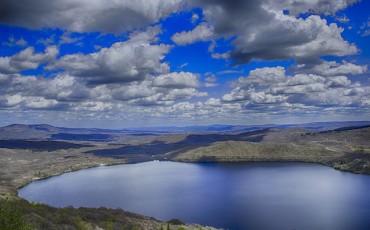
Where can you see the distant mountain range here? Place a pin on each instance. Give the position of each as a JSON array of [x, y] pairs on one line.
[[48, 132], [317, 126]]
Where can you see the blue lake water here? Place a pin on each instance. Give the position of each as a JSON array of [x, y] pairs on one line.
[[232, 196]]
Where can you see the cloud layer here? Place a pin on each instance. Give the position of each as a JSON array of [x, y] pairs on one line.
[[137, 77], [264, 31], [108, 16], [127, 61], [27, 59], [272, 86]]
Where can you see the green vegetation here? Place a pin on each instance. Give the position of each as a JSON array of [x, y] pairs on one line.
[[237, 151], [357, 161], [11, 217], [39, 145], [176, 222], [18, 214], [40, 216]]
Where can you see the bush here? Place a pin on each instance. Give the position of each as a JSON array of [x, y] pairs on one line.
[[176, 222], [11, 217]]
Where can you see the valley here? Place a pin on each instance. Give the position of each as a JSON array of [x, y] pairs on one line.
[[30, 153]]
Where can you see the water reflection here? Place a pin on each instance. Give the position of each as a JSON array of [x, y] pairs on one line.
[[233, 196]]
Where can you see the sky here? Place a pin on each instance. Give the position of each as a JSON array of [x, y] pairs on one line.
[[117, 64]]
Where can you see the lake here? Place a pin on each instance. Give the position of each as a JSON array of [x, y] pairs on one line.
[[232, 196]]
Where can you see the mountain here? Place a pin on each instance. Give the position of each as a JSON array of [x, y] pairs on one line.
[[48, 132], [319, 126], [18, 131]]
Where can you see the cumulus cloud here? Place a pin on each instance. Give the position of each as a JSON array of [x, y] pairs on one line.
[[27, 59], [67, 92], [169, 98], [86, 15], [261, 76], [4, 79], [32, 102], [211, 81], [42, 93], [160, 90], [365, 28], [130, 79], [301, 39], [127, 73], [263, 31], [202, 32], [177, 80], [331, 68], [254, 24], [297, 7], [272, 86], [342, 19], [15, 42], [127, 61], [210, 111], [194, 18]]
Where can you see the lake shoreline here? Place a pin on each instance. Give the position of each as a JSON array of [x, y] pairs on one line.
[[15, 192], [30, 208], [314, 169], [52, 165], [211, 162]]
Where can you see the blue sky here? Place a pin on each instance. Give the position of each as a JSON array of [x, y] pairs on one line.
[[116, 64]]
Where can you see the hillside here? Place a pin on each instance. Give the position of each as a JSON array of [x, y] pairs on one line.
[[344, 149]]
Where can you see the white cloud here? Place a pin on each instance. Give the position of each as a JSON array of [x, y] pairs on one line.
[[331, 68], [183, 65], [132, 91], [4, 79], [40, 103], [109, 84], [297, 7], [95, 106], [301, 39], [15, 42], [202, 32], [13, 100], [177, 80], [194, 18], [211, 81], [127, 61], [67, 37], [342, 19], [27, 59], [365, 28], [168, 97], [266, 86], [160, 90], [261, 76], [256, 24], [69, 93], [108, 16]]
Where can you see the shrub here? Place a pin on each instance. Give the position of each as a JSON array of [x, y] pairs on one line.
[[176, 222], [11, 217]]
